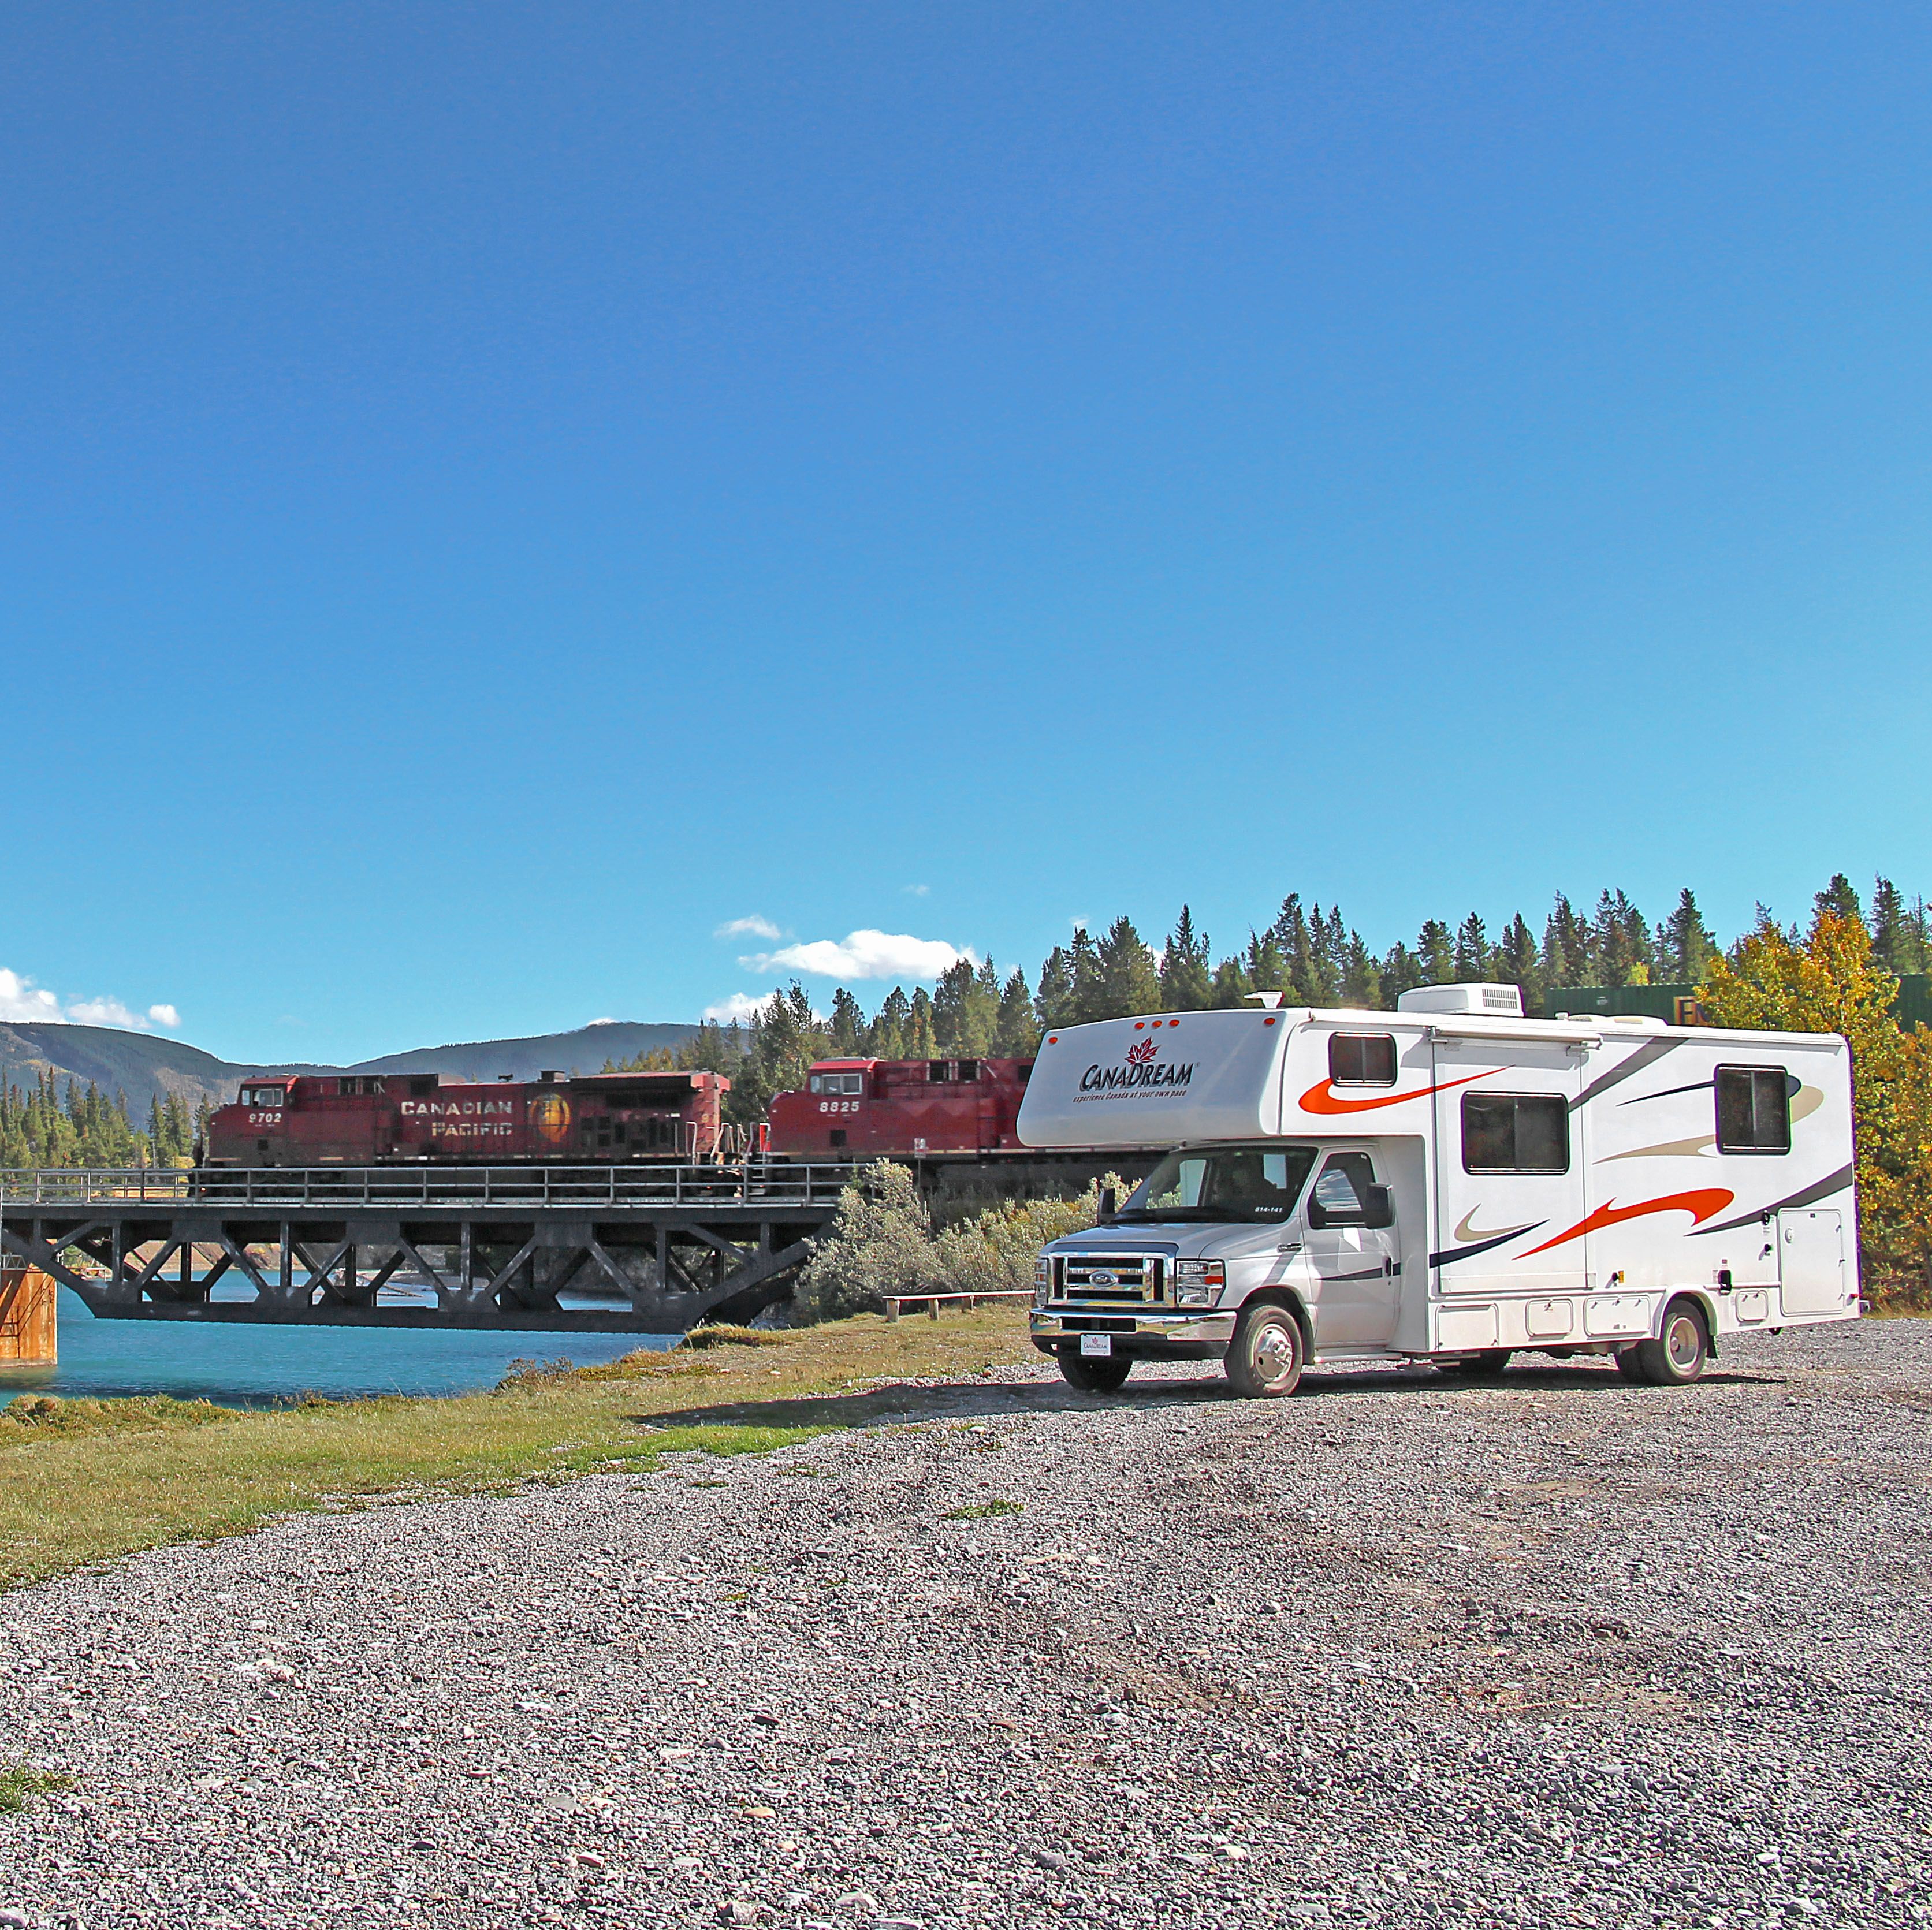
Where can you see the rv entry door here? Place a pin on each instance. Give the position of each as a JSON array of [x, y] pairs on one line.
[[1356, 1267]]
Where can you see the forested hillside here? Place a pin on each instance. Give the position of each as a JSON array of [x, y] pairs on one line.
[[1313, 956]]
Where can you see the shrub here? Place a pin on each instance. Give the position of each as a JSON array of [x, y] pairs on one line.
[[883, 1244]]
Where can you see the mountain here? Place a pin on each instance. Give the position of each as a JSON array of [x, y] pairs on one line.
[[144, 1065]]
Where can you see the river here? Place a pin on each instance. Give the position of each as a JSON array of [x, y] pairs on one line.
[[254, 1366]]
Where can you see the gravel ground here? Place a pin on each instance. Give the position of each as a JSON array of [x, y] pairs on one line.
[[1555, 1650]]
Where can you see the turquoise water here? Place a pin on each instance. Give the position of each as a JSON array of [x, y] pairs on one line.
[[252, 1367]]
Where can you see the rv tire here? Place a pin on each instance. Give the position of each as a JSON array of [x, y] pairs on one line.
[[1105, 1374], [1265, 1358], [1681, 1352], [1628, 1365]]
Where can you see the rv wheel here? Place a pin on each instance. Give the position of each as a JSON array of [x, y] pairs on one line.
[[1266, 1355], [1681, 1353], [1105, 1373], [1628, 1365]]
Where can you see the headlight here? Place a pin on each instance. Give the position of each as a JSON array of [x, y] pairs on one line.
[[1198, 1283], [1042, 1281]]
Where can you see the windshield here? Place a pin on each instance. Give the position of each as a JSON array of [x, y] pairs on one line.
[[1260, 1183]]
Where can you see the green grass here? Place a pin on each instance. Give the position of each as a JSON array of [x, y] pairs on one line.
[[82, 1481], [18, 1781]]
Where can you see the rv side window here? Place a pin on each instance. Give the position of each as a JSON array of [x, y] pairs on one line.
[[1515, 1132], [1361, 1059], [1753, 1109]]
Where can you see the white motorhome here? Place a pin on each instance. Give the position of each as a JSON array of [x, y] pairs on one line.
[[1449, 1182]]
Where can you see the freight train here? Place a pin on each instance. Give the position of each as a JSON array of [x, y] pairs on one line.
[[953, 1119], [372, 1119]]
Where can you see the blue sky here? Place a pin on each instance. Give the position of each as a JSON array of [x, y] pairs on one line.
[[491, 496]]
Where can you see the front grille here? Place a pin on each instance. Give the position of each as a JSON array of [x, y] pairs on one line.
[[1108, 1279], [1074, 1324]]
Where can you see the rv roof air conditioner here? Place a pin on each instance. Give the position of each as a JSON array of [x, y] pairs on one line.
[[1480, 1001]]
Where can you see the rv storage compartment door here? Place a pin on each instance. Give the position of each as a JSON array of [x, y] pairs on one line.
[[1509, 1169], [1811, 1259]]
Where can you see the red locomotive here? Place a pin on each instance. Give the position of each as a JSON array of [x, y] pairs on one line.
[[864, 1108], [369, 1120]]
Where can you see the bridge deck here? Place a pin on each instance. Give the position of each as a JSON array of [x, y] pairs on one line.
[[664, 1247]]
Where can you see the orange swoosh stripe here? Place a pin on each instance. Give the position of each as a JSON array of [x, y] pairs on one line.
[[1699, 1205], [1320, 1098]]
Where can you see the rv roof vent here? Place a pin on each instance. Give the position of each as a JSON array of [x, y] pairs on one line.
[[1485, 1001]]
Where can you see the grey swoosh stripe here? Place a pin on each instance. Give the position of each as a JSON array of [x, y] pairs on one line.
[[1646, 1054], [1823, 1190], [1373, 1273]]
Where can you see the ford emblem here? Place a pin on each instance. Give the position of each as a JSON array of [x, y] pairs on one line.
[[1103, 1278]]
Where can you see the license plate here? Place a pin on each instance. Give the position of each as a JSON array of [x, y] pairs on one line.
[[1100, 1343]]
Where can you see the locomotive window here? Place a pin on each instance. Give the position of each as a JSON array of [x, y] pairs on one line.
[[1361, 1059], [851, 1083], [939, 1071], [1515, 1132], [969, 1072], [1753, 1109]]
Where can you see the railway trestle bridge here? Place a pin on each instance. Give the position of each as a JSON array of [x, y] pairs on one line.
[[662, 1248]]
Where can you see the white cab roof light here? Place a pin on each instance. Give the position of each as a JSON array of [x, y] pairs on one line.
[[1475, 1001]]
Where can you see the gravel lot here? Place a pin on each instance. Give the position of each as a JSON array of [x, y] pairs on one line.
[[1555, 1650]]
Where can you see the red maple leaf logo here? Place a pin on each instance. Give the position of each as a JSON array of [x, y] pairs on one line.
[[1139, 1055]]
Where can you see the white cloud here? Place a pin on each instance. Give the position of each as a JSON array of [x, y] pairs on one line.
[[863, 955], [603, 1021], [919, 890], [740, 1006], [753, 927], [23, 1003]]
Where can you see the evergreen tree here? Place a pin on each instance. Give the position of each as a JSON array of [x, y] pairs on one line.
[[1231, 985], [1839, 898], [1401, 972], [1265, 967], [921, 1041], [1685, 946], [847, 1033], [887, 1038], [1362, 983], [1085, 962], [1516, 961], [1186, 982], [1472, 950], [1016, 1035], [1126, 980], [1436, 954], [1566, 951], [963, 1007], [1053, 1003]]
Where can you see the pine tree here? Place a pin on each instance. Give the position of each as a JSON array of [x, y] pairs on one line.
[[1126, 980], [1516, 961], [1053, 1003], [885, 1038], [1401, 972], [1361, 977], [1565, 947], [1436, 954], [1231, 984], [1016, 1034], [921, 1041], [1084, 964], [951, 1000], [848, 1026], [1472, 950], [1186, 982], [1685, 944], [1839, 897]]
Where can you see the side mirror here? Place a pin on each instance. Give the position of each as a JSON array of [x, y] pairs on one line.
[[1110, 1204], [1317, 1215], [1379, 1208]]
